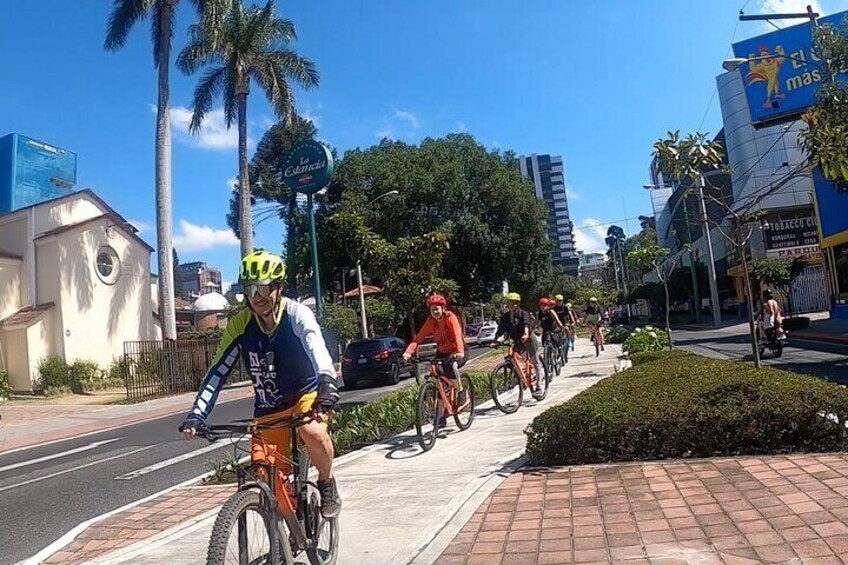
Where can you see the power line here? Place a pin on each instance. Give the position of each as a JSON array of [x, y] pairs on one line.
[[605, 224]]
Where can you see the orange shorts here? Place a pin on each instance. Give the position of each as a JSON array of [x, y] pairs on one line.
[[273, 446]]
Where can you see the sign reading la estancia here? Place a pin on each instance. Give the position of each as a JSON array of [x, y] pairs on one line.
[[308, 167]]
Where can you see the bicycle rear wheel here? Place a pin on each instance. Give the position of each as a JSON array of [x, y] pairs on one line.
[[427, 415], [464, 415], [324, 532], [506, 388], [540, 391], [242, 533]]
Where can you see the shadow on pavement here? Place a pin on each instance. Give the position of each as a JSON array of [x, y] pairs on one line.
[[407, 447]]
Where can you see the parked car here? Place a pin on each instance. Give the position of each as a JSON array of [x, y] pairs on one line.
[[379, 358], [487, 333]]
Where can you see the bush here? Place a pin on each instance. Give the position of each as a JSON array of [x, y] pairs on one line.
[[796, 323], [5, 387], [54, 374], [57, 377], [618, 334], [648, 338], [676, 404]]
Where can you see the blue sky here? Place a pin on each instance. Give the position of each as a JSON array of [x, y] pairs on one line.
[[596, 82]]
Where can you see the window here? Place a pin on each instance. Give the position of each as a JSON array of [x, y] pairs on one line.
[[107, 265]]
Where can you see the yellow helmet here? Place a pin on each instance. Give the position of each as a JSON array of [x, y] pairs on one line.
[[513, 297], [262, 267], [559, 298]]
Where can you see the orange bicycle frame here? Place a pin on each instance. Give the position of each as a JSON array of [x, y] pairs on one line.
[[523, 372]]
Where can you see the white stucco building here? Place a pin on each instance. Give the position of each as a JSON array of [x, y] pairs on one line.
[[74, 281]]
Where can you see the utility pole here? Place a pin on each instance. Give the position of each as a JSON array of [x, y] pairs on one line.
[[809, 14], [715, 305], [696, 302]]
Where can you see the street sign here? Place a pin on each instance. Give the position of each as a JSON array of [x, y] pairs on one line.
[[308, 167]]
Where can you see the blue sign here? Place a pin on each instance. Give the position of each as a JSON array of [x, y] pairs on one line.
[[308, 167], [783, 73], [832, 206]]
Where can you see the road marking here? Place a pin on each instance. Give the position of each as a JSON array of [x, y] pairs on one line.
[[169, 462], [52, 475], [88, 447]]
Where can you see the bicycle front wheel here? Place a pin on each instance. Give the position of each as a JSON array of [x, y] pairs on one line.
[[507, 391], [464, 414], [427, 415], [242, 533]]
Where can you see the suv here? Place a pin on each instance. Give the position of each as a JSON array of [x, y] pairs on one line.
[[376, 358]]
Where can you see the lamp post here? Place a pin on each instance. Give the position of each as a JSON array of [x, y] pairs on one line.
[[362, 318]]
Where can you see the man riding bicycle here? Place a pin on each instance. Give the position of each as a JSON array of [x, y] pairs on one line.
[[550, 323], [281, 345], [444, 327], [515, 324], [567, 317], [593, 318]]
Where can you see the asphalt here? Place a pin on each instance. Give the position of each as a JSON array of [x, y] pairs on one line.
[[46, 491], [824, 360]]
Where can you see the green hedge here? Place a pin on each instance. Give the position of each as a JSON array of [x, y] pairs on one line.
[[677, 404], [387, 416], [5, 387], [58, 377]]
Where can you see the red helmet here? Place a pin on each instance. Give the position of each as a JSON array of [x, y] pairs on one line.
[[437, 300], [543, 302]]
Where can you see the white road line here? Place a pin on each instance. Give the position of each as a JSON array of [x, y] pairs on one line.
[[88, 447], [50, 476], [168, 462]]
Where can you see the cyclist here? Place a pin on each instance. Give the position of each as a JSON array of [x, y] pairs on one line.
[[593, 318], [515, 323], [550, 323], [281, 345], [450, 343], [567, 317]]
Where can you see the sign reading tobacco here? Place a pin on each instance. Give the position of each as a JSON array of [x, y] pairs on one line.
[[308, 167], [792, 237]]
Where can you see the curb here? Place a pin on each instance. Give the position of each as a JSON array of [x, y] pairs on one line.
[[819, 337]]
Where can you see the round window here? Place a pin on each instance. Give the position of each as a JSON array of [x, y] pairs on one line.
[[108, 265]]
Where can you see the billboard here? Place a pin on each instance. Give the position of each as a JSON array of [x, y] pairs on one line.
[[793, 236], [832, 207], [782, 79]]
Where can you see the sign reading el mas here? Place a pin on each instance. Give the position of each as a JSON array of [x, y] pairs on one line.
[[783, 73]]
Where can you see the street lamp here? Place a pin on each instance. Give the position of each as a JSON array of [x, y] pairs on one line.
[[362, 318]]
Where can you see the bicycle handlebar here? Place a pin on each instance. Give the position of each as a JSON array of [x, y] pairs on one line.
[[214, 432]]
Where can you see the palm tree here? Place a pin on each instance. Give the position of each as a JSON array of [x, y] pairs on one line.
[[241, 44], [125, 14]]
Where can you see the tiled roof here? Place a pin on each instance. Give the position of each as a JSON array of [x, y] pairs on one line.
[[27, 315]]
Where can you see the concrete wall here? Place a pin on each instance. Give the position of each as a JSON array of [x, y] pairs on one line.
[[40, 344], [66, 212], [14, 238], [10, 286], [17, 359], [96, 318], [49, 289]]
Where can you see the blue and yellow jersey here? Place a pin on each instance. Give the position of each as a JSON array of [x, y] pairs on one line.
[[283, 364]]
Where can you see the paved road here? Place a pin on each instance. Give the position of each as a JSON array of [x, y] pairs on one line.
[[827, 361], [46, 491]]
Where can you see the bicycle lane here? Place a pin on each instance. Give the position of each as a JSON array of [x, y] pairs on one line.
[[396, 499]]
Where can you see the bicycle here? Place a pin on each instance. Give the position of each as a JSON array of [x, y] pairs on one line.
[[510, 378], [597, 335], [552, 357], [285, 527], [437, 396]]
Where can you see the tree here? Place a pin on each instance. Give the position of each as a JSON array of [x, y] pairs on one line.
[[496, 228], [778, 273], [382, 315], [267, 186], [826, 137], [125, 15], [241, 44], [688, 157], [656, 258]]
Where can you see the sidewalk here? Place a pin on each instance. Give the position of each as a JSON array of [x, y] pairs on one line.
[[782, 509], [57, 422], [396, 499], [827, 330]]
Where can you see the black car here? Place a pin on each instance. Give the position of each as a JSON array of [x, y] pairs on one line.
[[378, 358]]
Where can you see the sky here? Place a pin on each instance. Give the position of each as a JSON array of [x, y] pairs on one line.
[[596, 82]]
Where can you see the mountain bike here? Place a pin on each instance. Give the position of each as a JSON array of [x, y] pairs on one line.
[[255, 525], [552, 360], [438, 398], [597, 336], [509, 379]]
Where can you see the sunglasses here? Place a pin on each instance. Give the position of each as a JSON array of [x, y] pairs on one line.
[[261, 290]]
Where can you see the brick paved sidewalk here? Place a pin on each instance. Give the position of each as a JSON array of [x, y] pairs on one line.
[[782, 509], [141, 522]]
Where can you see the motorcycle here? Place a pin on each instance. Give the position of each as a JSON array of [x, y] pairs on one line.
[[774, 341]]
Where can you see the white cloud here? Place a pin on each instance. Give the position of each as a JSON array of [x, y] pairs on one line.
[[385, 132], [589, 236], [572, 194], [232, 182], [142, 227], [461, 127], [787, 7], [213, 133], [406, 116], [193, 237], [310, 116]]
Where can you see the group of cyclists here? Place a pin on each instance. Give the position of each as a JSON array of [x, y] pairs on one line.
[[280, 343]]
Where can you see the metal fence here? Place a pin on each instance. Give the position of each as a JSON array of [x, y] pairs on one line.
[[161, 368], [809, 292]]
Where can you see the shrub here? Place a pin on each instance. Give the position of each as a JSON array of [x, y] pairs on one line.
[[682, 405], [648, 338], [618, 334], [54, 373], [5, 387]]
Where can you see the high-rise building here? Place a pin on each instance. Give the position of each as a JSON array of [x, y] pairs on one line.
[[196, 279], [32, 172], [547, 175]]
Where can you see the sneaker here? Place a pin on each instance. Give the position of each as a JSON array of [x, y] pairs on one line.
[[443, 422], [331, 502]]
